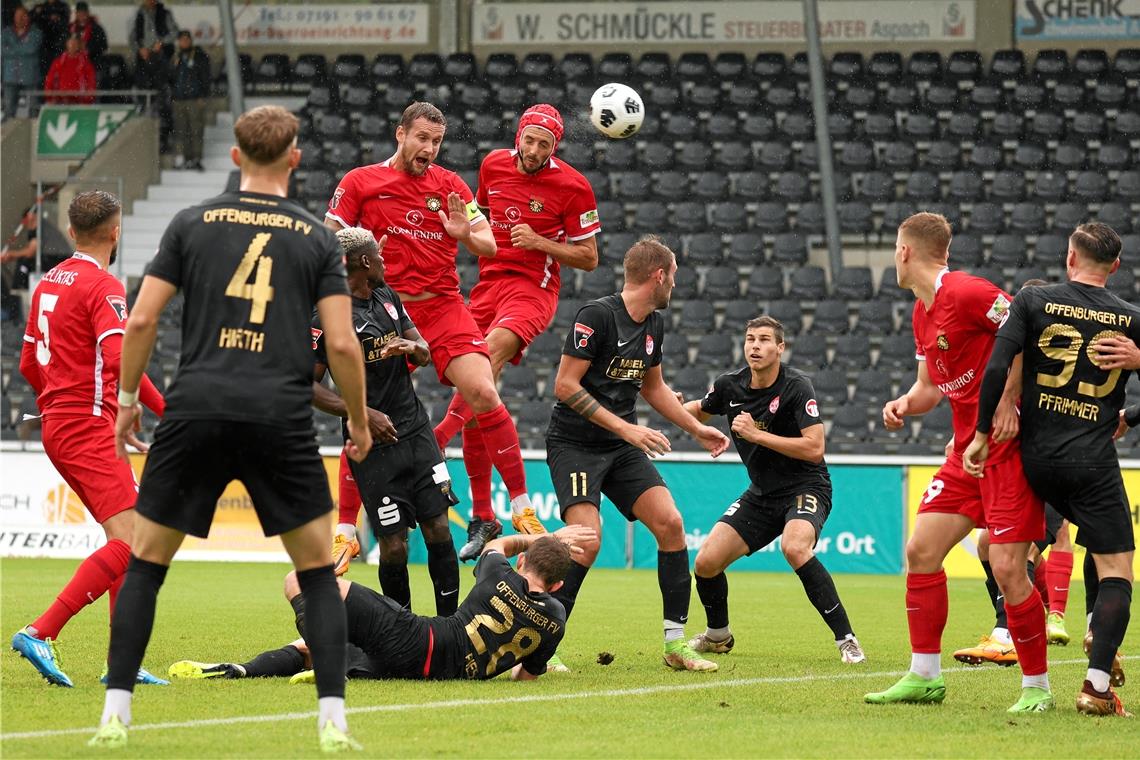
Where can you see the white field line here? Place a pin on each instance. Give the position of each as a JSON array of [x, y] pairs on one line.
[[525, 698]]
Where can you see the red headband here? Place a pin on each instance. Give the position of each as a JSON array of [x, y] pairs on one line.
[[544, 116]]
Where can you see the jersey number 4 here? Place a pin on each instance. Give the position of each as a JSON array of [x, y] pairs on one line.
[[260, 292], [1069, 354], [524, 642]]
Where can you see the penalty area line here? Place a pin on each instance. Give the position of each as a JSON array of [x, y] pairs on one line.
[[521, 699]]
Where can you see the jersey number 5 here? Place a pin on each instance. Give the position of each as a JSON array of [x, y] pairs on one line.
[[515, 646], [1069, 354], [43, 345], [260, 293]]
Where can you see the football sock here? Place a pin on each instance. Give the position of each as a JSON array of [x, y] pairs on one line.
[[298, 605], [117, 702], [457, 415], [571, 585], [502, 442], [93, 578], [131, 627], [394, 582], [327, 628], [331, 709], [1002, 635], [820, 589], [1057, 576], [348, 498], [1027, 626], [1041, 581], [926, 665], [286, 661], [520, 504], [443, 567], [477, 462], [1040, 681], [676, 589], [713, 593], [346, 529], [927, 606], [1092, 584], [113, 595], [1098, 678], [1109, 622], [996, 599], [718, 634]]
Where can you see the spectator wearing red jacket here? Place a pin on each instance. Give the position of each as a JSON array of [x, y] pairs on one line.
[[71, 71]]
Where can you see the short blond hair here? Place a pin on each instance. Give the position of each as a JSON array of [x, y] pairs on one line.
[[929, 230], [645, 257], [265, 133]]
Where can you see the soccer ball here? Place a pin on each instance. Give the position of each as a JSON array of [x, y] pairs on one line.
[[616, 110]]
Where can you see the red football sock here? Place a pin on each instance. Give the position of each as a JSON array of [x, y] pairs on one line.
[[478, 465], [349, 495], [1027, 628], [927, 607], [1058, 576], [457, 416], [94, 576], [502, 442], [113, 595], [1040, 579]]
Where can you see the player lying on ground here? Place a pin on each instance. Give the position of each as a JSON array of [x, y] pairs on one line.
[[1070, 413], [594, 445], [508, 621], [403, 481], [955, 318], [779, 435], [70, 358]]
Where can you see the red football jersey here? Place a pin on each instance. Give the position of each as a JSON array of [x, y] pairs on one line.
[[75, 306], [557, 202], [955, 338], [419, 256]]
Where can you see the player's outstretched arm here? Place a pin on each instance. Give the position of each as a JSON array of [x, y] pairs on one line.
[[347, 363], [582, 254], [662, 398], [920, 399], [694, 408], [571, 535], [330, 402], [808, 446]]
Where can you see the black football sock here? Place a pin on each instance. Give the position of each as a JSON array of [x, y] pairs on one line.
[[571, 585], [327, 628], [286, 661], [713, 593], [821, 593], [1109, 621], [996, 598], [133, 621], [394, 583], [298, 605], [1092, 583], [676, 585], [443, 567]]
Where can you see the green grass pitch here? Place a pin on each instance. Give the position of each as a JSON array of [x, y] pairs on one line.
[[781, 693]]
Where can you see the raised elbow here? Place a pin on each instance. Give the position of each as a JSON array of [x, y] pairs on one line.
[[562, 389]]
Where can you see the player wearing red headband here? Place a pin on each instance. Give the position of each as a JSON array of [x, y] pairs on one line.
[[543, 214]]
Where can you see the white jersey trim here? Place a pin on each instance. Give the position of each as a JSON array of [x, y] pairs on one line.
[[97, 408], [29, 338], [333, 216], [109, 333], [585, 235]]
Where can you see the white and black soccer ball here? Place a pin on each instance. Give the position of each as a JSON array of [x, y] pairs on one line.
[[616, 110]]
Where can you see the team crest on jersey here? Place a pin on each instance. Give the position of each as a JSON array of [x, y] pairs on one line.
[[582, 334], [649, 344], [811, 408], [391, 309], [433, 203], [999, 312], [772, 407], [536, 205], [943, 343], [336, 197], [316, 336], [119, 305]]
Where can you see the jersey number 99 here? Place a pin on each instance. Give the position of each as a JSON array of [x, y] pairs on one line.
[[1069, 354]]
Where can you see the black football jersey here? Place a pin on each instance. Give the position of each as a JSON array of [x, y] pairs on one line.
[[785, 408], [1069, 407], [620, 351], [388, 382], [500, 624], [252, 268]]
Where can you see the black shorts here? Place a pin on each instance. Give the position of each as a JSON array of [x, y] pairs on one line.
[[394, 640], [192, 461], [760, 520], [1093, 499], [1053, 520], [623, 473], [403, 484]]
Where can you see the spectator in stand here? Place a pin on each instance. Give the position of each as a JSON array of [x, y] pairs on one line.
[[21, 58], [90, 31], [190, 86], [52, 17], [152, 42], [71, 72], [20, 262]]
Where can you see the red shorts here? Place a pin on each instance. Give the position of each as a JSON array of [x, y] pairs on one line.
[[516, 304], [82, 449], [348, 496], [1002, 501], [449, 329]]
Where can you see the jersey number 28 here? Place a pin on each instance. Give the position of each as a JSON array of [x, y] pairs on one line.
[[515, 646]]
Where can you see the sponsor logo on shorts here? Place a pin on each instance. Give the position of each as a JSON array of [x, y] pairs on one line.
[[811, 408], [772, 407], [582, 334]]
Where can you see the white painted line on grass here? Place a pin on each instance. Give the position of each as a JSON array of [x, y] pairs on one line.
[[521, 699]]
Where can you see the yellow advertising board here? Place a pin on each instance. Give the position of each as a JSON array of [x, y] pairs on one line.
[[962, 562]]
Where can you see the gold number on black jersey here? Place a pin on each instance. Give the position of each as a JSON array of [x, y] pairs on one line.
[[1069, 353], [515, 646], [260, 292]]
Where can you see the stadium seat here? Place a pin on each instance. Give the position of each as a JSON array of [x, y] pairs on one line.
[[848, 428], [898, 156], [618, 155], [685, 283], [1051, 64], [1007, 186], [349, 67], [693, 156], [1007, 65], [770, 217], [1118, 216], [919, 126], [774, 156], [853, 283], [855, 218], [987, 219], [716, 351], [964, 125], [809, 351], [791, 187], [943, 156], [789, 313], [1050, 250], [1128, 186], [922, 187], [925, 65], [809, 219], [808, 283], [704, 249], [520, 383], [708, 186], [830, 317], [615, 67], [1066, 217], [1123, 283], [1050, 186], [941, 96], [830, 386], [936, 425], [965, 187], [885, 66], [840, 126], [573, 67], [684, 217], [1113, 157], [875, 318], [893, 215], [342, 155], [986, 157], [732, 157], [993, 274], [722, 283], [545, 350], [1070, 156], [896, 352], [1027, 218], [1007, 125], [730, 66], [675, 186], [1029, 156], [273, 73], [653, 67], [745, 249], [852, 353], [880, 127], [765, 283], [872, 388], [1047, 125], [1008, 250]]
